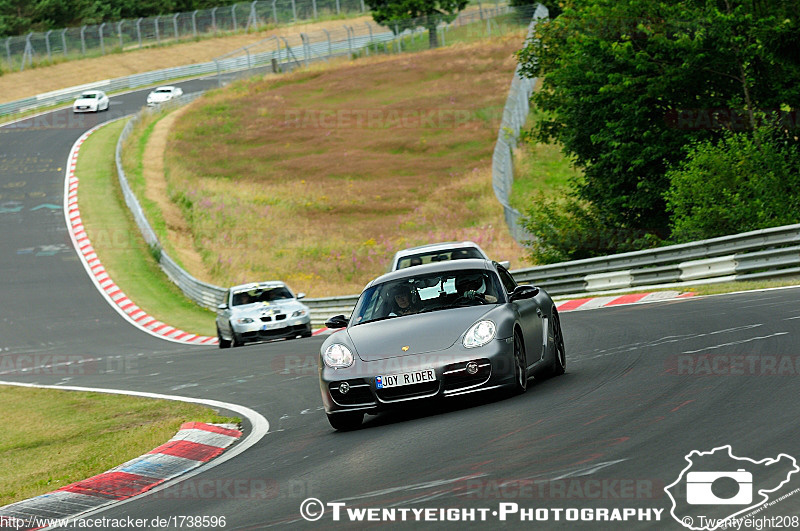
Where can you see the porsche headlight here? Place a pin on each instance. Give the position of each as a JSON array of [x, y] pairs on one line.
[[299, 313], [244, 320], [479, 334], [337, 356]]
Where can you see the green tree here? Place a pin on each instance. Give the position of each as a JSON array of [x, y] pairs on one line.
[[620, 78], [403, 14], [745, 181]]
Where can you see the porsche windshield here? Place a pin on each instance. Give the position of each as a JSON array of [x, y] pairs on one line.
[[427, 293]]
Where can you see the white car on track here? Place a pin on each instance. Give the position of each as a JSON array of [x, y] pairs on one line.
[[438, 252], [162, 94], [91, 101]]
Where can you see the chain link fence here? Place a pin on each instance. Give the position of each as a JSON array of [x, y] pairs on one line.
[[515, 113], [20, 52]]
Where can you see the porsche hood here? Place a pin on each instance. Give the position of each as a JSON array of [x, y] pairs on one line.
[[418, 334]]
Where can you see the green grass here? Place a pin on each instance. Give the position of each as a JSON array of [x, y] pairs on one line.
[[119, 244], [540, 170], [53, 438]]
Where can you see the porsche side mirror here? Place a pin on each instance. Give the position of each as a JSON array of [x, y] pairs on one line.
[[337, 321], [524, 292]]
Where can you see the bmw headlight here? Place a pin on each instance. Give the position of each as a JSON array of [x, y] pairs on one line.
[[337, 356], [479, 334], [244, 320], [299, 313]]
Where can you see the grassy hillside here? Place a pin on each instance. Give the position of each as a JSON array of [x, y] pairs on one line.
[[318, 177]]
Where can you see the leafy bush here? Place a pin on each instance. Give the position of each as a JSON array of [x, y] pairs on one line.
[[569, 229], [745, 181]]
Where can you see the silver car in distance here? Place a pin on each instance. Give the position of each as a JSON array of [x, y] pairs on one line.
[[261, 311]]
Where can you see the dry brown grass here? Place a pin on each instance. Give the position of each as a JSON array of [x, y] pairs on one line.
[[318, 177], [18, 85]]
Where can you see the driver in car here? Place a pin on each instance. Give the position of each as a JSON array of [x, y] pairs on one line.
[[473, 287]]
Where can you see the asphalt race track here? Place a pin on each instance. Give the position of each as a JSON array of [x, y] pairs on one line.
[[645, 385]]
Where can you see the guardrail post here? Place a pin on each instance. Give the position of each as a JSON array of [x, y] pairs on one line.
[[139, 31], [158, 34], [47, 43], [233, 16], [119, 33], [214, 19], [294, 11], [314, 5], [102, 42], [219, 73], [338, 8], [83, 40], [247, 51], [175, 26], [275, 11], [194, 23], [330, 52]]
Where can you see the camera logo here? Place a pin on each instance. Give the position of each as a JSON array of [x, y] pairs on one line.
[[699, 487], [716, 487]]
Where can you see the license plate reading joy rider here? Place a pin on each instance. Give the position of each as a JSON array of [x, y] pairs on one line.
[[406, 378]]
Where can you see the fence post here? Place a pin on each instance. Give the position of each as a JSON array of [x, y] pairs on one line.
[[8, 50], [306, 47], [329, 43], [102, 42], [399, 39], [369, 27], [139, 31], [363, 7], [338, 8], [175, 26], [214, 19], [314, 5], [480, 9], [194, 23], [119, 33], [47, 43], [27, 55], [252, 19], [274, 12], [158, 34], [64, 40], [233, 16], [294, 11], [83, 40], [349, 42]]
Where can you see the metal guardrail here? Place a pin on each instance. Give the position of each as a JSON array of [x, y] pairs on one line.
[[286, 51], [761, 254], [203, 293], [515, 113]]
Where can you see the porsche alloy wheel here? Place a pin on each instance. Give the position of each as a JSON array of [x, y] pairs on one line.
[[560, 353], [346, 421], [520, 365]]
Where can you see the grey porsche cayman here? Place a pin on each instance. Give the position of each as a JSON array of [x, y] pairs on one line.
[[439, 330]]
